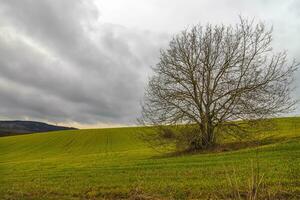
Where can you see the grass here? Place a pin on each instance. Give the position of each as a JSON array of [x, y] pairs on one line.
[[114, 164]]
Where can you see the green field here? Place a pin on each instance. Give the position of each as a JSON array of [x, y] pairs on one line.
[[114, 164]]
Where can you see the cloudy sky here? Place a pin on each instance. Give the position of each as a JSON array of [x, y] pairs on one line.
[[86, 63]]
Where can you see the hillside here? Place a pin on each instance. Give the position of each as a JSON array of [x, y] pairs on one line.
[[8, 128], [114, 164]]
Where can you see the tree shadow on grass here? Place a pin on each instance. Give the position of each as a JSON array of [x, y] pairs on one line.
[[230, 146]]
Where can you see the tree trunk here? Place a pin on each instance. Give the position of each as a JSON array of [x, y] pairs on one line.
[[204, 139]]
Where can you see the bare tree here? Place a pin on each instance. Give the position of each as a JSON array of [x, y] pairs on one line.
[[214, 76]]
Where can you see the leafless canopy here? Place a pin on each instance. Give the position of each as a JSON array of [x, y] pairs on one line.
[[213, 75]]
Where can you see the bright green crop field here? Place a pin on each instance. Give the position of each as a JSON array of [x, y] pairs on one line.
[[115, 164]]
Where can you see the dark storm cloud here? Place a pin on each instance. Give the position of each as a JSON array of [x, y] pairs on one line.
[[57, 65]]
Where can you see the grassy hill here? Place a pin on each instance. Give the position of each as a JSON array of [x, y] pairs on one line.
[[114, 164]]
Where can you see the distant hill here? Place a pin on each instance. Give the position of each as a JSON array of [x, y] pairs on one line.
[[8, 128]]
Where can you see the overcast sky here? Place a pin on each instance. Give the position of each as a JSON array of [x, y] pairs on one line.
[[86, 63]]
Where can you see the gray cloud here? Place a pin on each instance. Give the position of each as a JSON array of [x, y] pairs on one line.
[[59, 69], [60, 62]]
